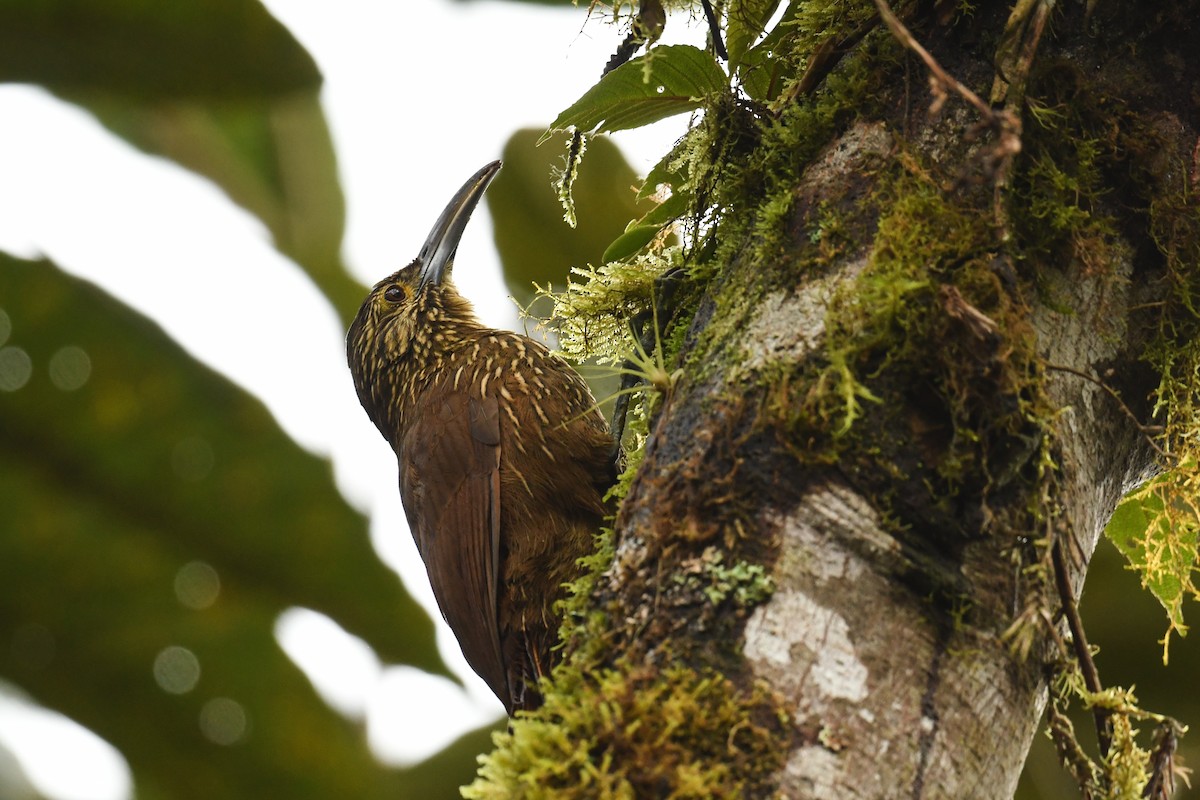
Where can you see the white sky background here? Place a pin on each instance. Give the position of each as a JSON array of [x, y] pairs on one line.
[[419, 95]]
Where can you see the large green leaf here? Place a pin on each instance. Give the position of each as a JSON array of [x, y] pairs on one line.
[[272, 156], [219, 86], [130, 477], [164, 443], [535, 245], [666, 81], [169, 49]]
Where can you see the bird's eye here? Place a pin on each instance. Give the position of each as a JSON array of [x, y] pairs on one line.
[[394, 294]]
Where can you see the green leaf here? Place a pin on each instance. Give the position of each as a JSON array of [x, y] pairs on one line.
[[161, 50], [642, 232], [220, 87], [747, 19], [630, 242], [273, 156], [535, 245], [1157, 531], [668, 210], [161, 442], [666, 81], [761, 71], [122, 460]]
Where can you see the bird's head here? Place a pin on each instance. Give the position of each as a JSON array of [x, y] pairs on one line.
[[410, 316]]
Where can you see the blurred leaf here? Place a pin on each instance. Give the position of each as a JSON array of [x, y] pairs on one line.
[[428, 779], [14, 785], [666, 81], [123, 460], [159, 441], [274, 157], [747, 19], [218, 86], [535, 245], [164, 50]]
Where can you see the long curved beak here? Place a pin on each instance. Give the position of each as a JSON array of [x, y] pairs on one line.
[[437, 254]]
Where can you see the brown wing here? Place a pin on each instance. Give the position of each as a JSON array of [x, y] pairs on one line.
[[450, 485]]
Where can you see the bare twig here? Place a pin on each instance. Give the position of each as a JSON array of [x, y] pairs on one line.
[[944, 80], [1082, 769], [1026, 22], [979, 324], [1163, 768], [1004, 122], [1146, 430], [1083, 652]]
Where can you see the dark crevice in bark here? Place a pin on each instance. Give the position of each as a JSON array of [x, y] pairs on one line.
[[929, 719]]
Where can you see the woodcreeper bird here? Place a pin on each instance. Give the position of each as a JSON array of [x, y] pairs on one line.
[[503, 456]]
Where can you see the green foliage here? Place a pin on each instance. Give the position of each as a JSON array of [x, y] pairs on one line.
[[126, 464], [1155, 528], [149, 503], [228, 49], [535, 247], [635, 732], [668, 80]]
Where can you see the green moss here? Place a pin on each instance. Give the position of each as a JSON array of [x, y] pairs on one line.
[[638, 731], [758, 176], [926, 310], [1058, 192], [745, 584]]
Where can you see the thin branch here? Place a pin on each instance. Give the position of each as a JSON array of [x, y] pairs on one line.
[[1015, 59], [1083, 652], [939, 75], [1005, 123], [1146, 430]]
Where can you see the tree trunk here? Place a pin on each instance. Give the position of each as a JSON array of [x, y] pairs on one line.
[[905, 330]]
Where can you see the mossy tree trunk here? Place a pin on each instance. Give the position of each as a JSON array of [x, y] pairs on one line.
[[903, 335]]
